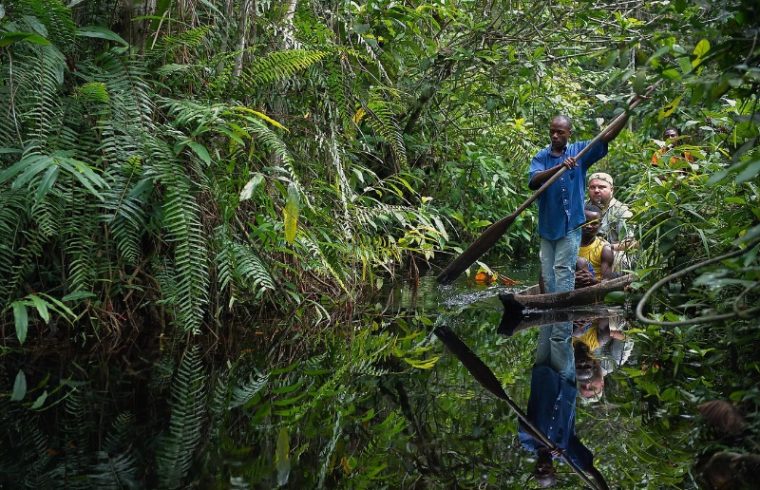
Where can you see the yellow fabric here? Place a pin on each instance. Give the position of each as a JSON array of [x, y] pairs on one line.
[[593, 253], [589, 338]]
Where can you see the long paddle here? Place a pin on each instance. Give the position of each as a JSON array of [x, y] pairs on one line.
[[487, 378], [492, 234]]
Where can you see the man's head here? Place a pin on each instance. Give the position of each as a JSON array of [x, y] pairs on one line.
[[588, 372], [544, 470], [593, 221], [600, 188], [670, 133], [560, 130]]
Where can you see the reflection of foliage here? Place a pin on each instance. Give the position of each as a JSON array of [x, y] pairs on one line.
[[176, 450]]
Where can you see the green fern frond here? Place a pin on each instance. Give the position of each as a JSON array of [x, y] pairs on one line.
[[244, 391], [383, 120], [273, 143], [124, 206], [181, 220], [93, 92], [176, 450], [169, 44], [122, 430], [251, 269], [54, 15], [279, 65], [37, 78], [329, 265], [372, 459], [13, 219], [77, 428], [29, 249], [81, 271], [114, 472]]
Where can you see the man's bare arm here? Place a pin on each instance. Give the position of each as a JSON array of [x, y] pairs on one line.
[[608, 259]]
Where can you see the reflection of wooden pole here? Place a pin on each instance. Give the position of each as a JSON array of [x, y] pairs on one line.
[[487, 378]]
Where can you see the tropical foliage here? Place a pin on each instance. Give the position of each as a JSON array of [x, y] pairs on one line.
[[203, 199]]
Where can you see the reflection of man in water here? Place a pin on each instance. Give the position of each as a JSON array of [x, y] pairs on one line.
[[551, 406], [600, 346]]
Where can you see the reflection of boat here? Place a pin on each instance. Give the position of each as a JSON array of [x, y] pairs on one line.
[[531, 298]]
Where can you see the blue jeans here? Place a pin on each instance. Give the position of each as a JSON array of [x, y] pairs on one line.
[[558, 259], [555, 347]]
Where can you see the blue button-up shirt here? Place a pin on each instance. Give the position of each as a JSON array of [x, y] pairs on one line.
[[551, 408], [560, 207]]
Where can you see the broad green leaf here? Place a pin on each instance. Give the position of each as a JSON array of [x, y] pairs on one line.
[[57, 306], [25, 169], [40, 400], [685, 64], [21, 318], [640, 82], [19, 387], [282, 457], [41, 305], [701, 49], [201, 151], [671, 74], [252, 185], [8, 38], [292, 209], [99, 32], [46, 183], [76, 295]]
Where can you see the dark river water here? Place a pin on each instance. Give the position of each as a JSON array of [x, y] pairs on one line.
[[376, 403]]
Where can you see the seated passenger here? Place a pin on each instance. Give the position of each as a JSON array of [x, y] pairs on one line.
[[595, 250]]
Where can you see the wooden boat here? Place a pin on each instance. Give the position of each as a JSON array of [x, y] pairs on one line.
[[531, 298]]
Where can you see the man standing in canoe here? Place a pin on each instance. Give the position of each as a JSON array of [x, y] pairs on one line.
[[561, 215], [560, 207]]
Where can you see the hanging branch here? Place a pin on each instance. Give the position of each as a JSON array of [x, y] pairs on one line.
[[703, 319]]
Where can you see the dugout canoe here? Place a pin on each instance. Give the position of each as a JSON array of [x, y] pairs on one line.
[[531, 298]]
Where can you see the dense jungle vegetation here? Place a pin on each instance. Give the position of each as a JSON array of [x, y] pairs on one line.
[[203, 203]]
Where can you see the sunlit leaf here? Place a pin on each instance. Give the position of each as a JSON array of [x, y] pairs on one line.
[[701, 49], [671, 74], [251, 185], [291, 211], [669, 108]]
